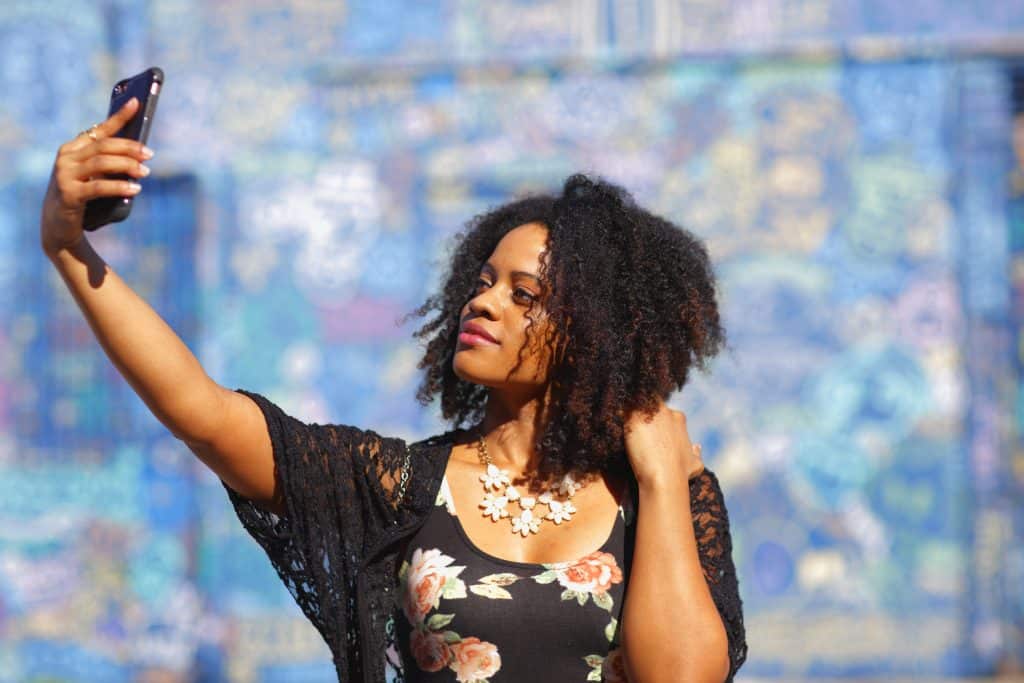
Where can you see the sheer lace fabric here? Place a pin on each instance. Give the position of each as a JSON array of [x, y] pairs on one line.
[[714, 545]]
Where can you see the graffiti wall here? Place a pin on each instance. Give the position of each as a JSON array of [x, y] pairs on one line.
[[848, 163]]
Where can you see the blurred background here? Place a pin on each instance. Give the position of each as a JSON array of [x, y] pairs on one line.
[[855, 166]]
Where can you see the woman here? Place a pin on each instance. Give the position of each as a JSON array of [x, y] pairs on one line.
[[564, 324]]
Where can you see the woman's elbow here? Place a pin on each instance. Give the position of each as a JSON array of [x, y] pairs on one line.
[[711, 666]]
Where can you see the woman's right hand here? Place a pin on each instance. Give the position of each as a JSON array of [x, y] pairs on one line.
[[78, 176]]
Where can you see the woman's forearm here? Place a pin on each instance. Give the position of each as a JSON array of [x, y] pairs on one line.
[[147, 352], [671, 627]]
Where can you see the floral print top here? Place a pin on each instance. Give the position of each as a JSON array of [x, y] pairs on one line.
[[468, 616]]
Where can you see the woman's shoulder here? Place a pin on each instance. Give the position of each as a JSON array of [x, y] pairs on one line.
[[451, 437]]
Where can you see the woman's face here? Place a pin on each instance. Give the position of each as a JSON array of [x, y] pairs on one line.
[[507, 283]]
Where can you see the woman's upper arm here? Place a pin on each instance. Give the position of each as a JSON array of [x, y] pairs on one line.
[[240, 451]]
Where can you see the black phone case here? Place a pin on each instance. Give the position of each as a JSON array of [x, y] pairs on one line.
[[146, 86]]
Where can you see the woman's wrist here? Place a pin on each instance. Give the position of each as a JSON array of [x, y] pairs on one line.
[[670, 480], [53, 250]]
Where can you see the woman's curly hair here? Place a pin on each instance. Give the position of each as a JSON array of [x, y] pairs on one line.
[[631, 298]]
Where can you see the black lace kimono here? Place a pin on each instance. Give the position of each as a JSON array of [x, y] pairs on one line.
[[337, 547]]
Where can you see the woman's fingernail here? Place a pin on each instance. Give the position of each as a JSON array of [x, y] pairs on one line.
[[144, 170], [134, 187], [147, 152]]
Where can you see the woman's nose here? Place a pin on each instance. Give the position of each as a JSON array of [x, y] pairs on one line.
[[484, 303]]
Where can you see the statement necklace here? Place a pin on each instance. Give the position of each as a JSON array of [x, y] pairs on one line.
[[527, 522]]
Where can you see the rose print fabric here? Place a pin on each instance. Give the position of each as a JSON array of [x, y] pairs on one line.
[[468, 616]]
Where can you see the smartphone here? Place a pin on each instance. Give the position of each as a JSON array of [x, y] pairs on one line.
[[145, 86]]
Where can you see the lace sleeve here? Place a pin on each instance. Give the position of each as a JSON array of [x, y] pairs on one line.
[[714, 543], [339, 487]]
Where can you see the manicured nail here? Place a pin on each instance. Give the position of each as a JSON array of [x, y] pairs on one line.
[[147, 153], [134, 187], [144, 170]]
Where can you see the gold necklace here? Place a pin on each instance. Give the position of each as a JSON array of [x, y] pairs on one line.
[[528, 521]]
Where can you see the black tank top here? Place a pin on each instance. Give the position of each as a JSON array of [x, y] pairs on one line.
[[466, 615]]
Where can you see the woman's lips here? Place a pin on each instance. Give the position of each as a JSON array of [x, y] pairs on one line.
[[475, 339]]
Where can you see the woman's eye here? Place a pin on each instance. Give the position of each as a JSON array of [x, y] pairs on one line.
[[519, 291], [525, 293]]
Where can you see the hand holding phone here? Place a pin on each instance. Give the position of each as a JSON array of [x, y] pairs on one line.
[[145, 87], [95, 166]]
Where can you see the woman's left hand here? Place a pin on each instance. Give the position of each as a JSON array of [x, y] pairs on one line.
[[659, 447]]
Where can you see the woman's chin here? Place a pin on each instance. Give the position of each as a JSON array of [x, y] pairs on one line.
[[465, 372]]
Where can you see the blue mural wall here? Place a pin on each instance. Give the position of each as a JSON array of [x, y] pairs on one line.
[[848, 163]]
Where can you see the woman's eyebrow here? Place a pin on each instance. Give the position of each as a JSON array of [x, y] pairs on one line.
[[521, 273]]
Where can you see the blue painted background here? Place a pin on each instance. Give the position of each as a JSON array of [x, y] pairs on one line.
[[849, 164]]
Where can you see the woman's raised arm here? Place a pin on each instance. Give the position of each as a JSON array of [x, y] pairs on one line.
[[225, 429]]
